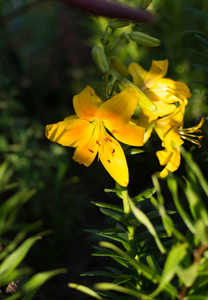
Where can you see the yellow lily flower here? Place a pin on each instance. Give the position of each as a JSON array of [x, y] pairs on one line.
[[86, 131], [165, 93], [170, 131]]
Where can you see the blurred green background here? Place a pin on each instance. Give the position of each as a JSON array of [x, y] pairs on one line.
[[46, 59]]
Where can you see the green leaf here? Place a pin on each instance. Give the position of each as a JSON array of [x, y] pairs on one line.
[[144, 195], [99, 273], [175, 256], [13, 260], [109, 206], [9, 209], [132, 292], [201, 231], [133, 151], [173, 187], [153, 264], [85, 290], [141, 217], [5, 175], [113, 215], [193, 166], [31, 287], [201, 67], [19, 237], [188, 275], [197, 12], [203, 40]]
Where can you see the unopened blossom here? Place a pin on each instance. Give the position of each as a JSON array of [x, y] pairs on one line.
[[88, 129]]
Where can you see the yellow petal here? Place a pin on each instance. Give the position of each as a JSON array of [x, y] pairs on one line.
[[117, 111], [85, 154], [175, 87], [69, 132], [163, 107], [138, 74], [164, 156], [130, 134], [157, 71], [113, 159], [86, 104], [173, 163]]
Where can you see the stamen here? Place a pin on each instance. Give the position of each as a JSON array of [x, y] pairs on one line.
[[98, 143], [91, 150], [108, 160], [113, 151], [107, 139], [194, 141]]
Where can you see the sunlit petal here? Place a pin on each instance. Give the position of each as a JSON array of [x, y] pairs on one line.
[[117, 111], [85, 154], [138, 74], [113, 159], [86, 104], [157, 71], [69, 132], [175, 87], [130, 134]]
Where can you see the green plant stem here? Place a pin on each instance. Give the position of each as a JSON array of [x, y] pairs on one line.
[[127, 212], [106, 77], [197, 257]]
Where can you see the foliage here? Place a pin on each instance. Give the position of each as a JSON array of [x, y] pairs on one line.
[[45, 60], [157, 259], [13, 251]]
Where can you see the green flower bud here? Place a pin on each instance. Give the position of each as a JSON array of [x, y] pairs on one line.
[[144, 39], [145, 3], [118, 66], [144, 101], [100, 59], [114, 24]]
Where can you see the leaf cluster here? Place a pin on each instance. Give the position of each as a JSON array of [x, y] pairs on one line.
[[159, 253], [15, 243]]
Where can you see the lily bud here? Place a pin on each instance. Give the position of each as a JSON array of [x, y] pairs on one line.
[[144, 102], [144, 39], [118, 66], [114, 24], [144, 3], [100, 59]]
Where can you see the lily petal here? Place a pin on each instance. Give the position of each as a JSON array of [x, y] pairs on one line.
[[175, 87], [113, 159], [85, 155], [117, 111], [130, 134], [174, 161], [138, 74], [69, 133], [86, 104], [157, 71]]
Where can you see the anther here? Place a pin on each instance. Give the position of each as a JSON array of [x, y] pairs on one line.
[[108, 160], [98, 143], [91, 150]]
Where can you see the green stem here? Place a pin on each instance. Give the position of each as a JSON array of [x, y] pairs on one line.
[[127, 212], [106, 77], [114, 49]]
